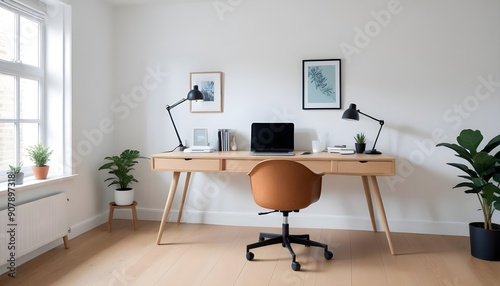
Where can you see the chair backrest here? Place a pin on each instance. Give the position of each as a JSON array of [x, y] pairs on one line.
[[284, 185]]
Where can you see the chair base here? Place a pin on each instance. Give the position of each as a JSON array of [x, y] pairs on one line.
[[286, 239]]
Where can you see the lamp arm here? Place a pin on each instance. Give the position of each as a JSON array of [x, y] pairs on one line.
[[359, 111], [381, 122], [380, 129], [168, 107], [176, 132]]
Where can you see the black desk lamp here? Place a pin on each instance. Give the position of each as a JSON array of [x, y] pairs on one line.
[[194, 94], [353, 114]]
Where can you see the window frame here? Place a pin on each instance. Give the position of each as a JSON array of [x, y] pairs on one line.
[[19, 70]]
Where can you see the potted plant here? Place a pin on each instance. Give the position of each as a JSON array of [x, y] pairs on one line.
[[360, 142], [18, 175], [39, 154], [120, 167], [482, 177]]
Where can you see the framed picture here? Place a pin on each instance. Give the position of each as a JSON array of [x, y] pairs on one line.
[[200, 137], [210, 84], [321, 84]]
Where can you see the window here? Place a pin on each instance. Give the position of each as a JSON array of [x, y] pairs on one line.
[[22, 79]]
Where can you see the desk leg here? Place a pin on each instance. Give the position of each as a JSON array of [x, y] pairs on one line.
[[168, 205], [381, 211], [368, 195], [186, 184]]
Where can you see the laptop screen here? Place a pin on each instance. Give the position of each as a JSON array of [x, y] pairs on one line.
[[272, 137]]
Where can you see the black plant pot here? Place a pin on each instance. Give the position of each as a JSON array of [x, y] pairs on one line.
[[360, 147], [484, 243]]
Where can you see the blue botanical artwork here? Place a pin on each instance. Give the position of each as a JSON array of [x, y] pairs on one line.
[[208, 90], [321, 87]]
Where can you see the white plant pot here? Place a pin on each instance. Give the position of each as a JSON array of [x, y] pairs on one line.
[[124, 197]]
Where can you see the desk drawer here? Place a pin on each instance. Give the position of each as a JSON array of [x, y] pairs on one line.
[[189, 165], [247, 165], [244, 166], [318, 166], [368, 168]]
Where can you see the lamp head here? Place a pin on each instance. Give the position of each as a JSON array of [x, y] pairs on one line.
[[194, 94], [351, 113]]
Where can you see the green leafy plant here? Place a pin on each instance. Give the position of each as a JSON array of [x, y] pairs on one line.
[[120, 167], [360, 138], [482, 172], [15, 170], [39, 154]]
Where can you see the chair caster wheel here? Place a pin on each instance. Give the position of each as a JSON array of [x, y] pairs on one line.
[[250, 255], [295, 266], [328, 255]]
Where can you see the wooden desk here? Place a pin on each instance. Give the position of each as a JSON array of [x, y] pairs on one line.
[[366, 166]]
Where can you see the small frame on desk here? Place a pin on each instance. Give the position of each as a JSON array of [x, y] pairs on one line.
[[321, 84], [200, 137], [210, 84]]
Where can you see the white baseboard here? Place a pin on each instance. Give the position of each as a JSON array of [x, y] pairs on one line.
[[88, 224], [300, 220]]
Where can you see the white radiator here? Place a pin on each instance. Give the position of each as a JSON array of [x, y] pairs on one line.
[[37, 223]]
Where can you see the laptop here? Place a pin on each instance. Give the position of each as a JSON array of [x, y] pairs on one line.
[[272, 139]]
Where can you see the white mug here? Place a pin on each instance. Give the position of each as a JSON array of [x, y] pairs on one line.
[[318, 146]]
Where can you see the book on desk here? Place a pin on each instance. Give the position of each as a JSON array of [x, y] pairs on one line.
[[341, 150], [226, 139], [199, 149]]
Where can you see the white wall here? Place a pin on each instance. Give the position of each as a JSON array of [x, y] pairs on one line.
[[422, 70], [92, 95]]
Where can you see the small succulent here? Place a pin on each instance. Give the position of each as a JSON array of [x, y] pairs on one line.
[[15, 170], [360, 138]]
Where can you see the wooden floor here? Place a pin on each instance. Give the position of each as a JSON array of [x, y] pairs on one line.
[[195, 254]]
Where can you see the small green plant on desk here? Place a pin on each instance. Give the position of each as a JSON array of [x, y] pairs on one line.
[[360, 142], [360, 138]]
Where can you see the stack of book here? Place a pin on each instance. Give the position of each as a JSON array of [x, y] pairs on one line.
[[199, 149], [341, 149], [225, 138]]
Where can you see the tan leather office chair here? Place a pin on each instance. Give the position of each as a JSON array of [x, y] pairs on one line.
[[285, 186]]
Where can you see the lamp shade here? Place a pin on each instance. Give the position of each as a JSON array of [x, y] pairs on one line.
[[194, 94], [351, 113]]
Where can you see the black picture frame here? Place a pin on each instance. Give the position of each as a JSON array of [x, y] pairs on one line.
[[321, 85]]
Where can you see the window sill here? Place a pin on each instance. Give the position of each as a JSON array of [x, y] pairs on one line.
[[30, 183]]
